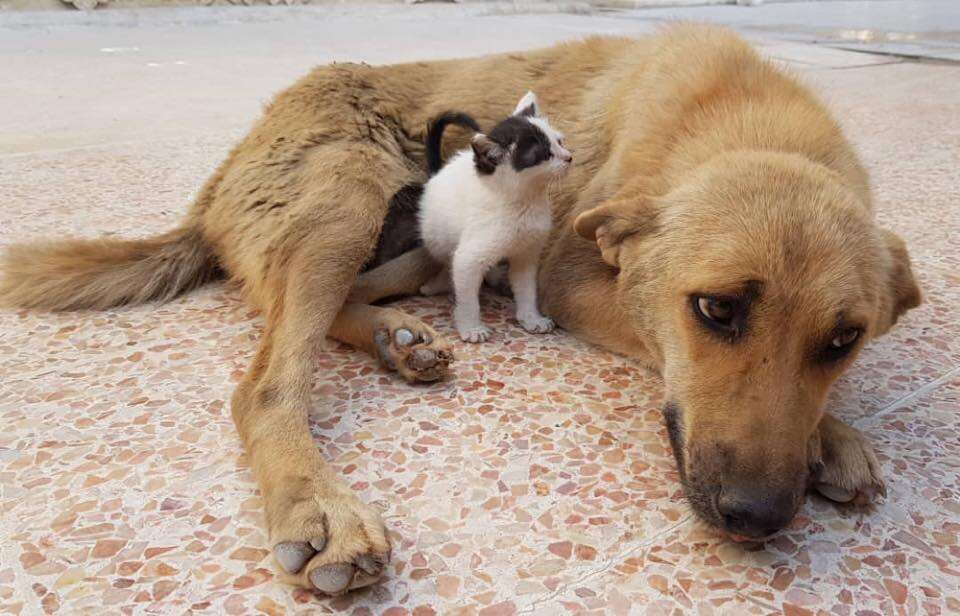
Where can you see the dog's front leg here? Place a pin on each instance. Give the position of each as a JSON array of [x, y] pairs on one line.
[[846, 469], [323, 537]]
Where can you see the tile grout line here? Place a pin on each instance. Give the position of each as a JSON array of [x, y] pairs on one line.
[[921, 391], [537, 602], [756, 601]]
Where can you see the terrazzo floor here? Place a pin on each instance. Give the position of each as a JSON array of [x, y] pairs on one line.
[[538, 480]]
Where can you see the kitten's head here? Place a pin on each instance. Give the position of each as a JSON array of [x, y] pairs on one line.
[[524, 144]]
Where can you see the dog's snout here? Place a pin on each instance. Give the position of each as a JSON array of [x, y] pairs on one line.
[[754, 513]]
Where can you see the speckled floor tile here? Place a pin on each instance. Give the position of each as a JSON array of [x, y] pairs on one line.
[[537, 480], [898, 558]]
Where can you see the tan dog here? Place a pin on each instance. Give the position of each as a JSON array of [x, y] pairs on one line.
[[714, 198]]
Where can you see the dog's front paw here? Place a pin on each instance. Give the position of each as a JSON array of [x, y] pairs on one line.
[[331, 544], [847, 469], [536, 324]]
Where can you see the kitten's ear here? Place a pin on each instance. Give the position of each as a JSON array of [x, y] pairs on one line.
[[487, 153], [613, 221], [528, 106]]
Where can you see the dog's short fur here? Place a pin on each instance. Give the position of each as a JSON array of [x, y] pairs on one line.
[[701, 169]]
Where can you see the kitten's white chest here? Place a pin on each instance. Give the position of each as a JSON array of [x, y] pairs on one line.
[[530, 225]]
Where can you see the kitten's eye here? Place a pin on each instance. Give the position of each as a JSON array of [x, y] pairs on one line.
[[841, 344], [721, 315]]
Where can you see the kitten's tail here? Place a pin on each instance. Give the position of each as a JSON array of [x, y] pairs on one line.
[[435, 135]]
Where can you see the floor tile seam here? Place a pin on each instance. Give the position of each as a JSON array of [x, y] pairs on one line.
[[922, 391], [605, 566]]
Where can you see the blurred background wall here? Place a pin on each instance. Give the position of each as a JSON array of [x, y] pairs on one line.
[[33, 5]]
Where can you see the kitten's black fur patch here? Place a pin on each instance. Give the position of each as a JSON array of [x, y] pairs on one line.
[[400, 231], [531, 145]]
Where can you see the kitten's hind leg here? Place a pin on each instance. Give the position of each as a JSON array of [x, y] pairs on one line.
[[523, 279], [497, 279], [468, 269], [438, 285]]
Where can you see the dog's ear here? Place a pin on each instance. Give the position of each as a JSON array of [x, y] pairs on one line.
[[613, 221], [487, 153], [902, 292]]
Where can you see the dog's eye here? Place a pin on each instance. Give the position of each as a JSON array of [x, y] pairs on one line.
[[846, 338], [841, 344], [722, 315], [719, 311]]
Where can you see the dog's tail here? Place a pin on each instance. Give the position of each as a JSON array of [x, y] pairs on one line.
[[435, 135], [103, 273]]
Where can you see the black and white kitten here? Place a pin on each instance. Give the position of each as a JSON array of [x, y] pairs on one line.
[[491, 203]]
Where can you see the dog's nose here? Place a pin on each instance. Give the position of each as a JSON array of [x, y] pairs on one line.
[[753, 513]]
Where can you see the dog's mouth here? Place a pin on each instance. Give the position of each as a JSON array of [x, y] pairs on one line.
[[752, 519]]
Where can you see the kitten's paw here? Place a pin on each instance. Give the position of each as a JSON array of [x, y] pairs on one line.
[[477, 333], [538, 324], [414, 350]]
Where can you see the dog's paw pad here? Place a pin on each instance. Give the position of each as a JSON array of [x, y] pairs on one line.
[[332, 579], [835, 493], [293, 555]]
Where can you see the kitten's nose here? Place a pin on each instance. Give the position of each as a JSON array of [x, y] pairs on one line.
[[566, 157]]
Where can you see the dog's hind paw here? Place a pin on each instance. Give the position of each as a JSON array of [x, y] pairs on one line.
[[414, 350]]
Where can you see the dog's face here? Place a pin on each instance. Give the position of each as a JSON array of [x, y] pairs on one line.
[[758, 280]]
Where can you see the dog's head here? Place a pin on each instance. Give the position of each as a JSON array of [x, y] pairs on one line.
[[759, 279]]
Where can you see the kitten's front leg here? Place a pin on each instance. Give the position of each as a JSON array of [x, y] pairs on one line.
[[523, 280], [468, 268]]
